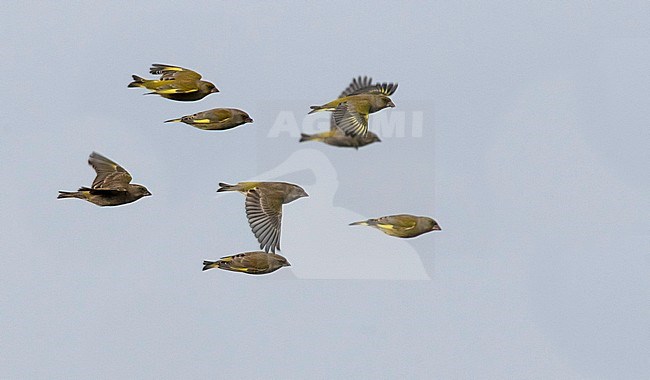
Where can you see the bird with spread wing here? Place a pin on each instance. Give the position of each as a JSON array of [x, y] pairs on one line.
[[264, 202], [112, 185], [175, 83]]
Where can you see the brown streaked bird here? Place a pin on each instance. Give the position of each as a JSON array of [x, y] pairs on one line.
[[264, 202], [175, 83], [217, 119], [257, 262], [112, 185], [357, 101], [403, 225]]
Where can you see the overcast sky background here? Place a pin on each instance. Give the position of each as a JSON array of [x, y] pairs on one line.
[[533, 157]]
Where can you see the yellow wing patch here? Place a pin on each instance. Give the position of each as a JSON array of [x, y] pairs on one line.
[[172, 68], [175, 91]]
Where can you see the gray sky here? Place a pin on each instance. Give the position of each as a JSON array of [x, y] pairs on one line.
[[532, 155]]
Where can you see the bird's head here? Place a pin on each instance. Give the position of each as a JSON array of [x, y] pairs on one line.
[[431, 224], [140, 191], [243, 117], [380, 102], [278, 261], [208, 87], [285, 263], [296, 192], [371, 138]]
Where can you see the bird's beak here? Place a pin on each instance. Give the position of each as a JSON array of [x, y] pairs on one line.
[[378, 139], [147, 194], [288, 264], [248, 120], [391, 104], [436, 228], [214, 90]]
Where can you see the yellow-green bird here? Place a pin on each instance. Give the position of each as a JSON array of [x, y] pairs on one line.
[[218, 119], [111, 186], [336, 137], [257, 262], [351, 110], [175, 83], [403, 225], [264, 202]]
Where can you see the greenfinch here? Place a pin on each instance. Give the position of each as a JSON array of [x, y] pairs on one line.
[[111, 186], [403, 226], [175, 83], [257, 262], [351, 112], [264, 202], [218, 119], [356, 102], [336, 137]]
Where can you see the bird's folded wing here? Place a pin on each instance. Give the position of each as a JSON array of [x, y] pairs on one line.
[[168, 72], [213, 116], [177, 86], [106, 192], [392, 221], [255, 262]]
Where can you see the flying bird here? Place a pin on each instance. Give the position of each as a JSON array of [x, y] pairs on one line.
[[257, 262], [175, 83], [336, 137], [218, 119], [264, 202], [112, 185], [403, 226], [356, 102]]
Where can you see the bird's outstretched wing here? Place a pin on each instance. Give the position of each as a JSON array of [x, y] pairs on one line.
[[110, 175], [264, 214]]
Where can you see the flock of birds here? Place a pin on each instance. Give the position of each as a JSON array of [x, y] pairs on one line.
[[348, 128]]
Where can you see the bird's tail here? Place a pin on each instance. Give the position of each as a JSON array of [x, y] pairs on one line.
[[210, 264], [306, 137], [68, 194], [361, 223], [137, 81], [226, 187], [316, 109]]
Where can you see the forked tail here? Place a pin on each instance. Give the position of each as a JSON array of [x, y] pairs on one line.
[[137, 81], [210, 264], [69, 194], [226, 187], [360, 223], [306, 137]]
